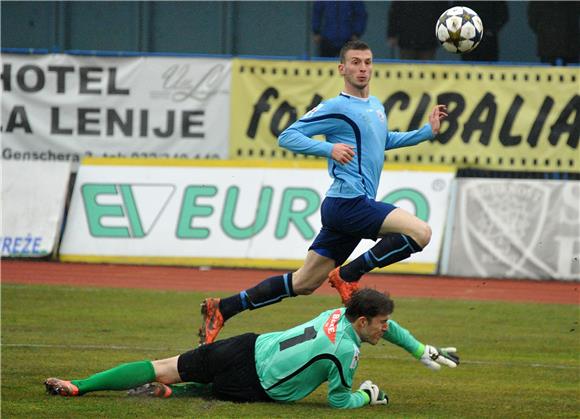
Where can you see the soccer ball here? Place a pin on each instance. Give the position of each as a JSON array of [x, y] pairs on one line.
[[459, 29]]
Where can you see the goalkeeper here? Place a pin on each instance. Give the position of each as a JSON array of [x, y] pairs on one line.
[[281, 366]]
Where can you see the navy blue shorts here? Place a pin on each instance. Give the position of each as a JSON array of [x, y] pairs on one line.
[[345, 222]]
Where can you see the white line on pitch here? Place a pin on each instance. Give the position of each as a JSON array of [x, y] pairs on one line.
[[498, 363], [397, 358]]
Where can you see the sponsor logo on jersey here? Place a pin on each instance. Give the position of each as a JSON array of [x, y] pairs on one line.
[[331, 325], [313, 111], [355, 357], [381, 115]]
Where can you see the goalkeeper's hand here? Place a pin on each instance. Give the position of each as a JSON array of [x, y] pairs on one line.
[[434, 357], [375, 394]]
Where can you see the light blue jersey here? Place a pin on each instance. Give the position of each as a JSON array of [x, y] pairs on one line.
[[360, 123]]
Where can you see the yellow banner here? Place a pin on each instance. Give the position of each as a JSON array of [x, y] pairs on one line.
[[500, 117]]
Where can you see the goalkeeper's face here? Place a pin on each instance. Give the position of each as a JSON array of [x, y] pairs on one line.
[[372, 330]]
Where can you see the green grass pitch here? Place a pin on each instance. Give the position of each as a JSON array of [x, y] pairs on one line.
[[518, 360]]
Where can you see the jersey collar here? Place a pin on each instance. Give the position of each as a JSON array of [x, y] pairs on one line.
[[349, 330], [354, 97]]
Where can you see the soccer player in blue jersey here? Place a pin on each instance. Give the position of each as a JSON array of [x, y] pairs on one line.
[[355, 126], [281, 366]]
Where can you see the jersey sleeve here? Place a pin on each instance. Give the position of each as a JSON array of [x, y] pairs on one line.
[[297, 137], [401, 337], [341, 396], [405, 139]]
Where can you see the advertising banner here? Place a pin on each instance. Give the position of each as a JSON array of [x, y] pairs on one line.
[[500, 117], [223, 214], [61, 107], [33, 200], [515, 229]]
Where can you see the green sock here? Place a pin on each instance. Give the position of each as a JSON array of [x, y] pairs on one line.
[[121, 377], [190, 390]]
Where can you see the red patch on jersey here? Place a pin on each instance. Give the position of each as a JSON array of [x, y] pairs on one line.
[[330, 325]]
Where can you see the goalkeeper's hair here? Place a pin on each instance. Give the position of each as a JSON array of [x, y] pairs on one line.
[[369, 303], [357, 45]]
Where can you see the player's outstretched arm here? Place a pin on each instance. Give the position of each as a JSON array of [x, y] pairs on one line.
[[438, 113], [429, 355]]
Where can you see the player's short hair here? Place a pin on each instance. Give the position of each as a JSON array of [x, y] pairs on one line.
[[369, 303], [357, 45]]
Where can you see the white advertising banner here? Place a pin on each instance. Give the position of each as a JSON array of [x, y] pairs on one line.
[[515, 229], [224, 214], [33, 200], [61, 107]]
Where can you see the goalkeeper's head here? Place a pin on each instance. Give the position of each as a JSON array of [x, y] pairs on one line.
[[369, 310]]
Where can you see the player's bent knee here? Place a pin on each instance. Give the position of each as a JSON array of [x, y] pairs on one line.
[[423, 235], [166, 370], [305, 291], [426, 235], [306, 286]]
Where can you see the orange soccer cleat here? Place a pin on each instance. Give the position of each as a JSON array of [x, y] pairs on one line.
[[58, 387], [345, 289], [213, 321]]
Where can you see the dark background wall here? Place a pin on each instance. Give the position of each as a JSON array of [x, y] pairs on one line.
[[276, 28]]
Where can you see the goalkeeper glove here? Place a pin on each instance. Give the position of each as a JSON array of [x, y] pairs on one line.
[[375, 394], [434, 357]]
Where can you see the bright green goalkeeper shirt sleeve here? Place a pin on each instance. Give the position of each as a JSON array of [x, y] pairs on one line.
[[400, 336], [293, 363]]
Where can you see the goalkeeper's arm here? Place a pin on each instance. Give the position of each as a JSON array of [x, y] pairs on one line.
[[401, 337], [429, 355]]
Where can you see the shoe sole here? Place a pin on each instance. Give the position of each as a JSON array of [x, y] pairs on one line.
[[150, 390], [338, 287], [201, 331], [56, 390]]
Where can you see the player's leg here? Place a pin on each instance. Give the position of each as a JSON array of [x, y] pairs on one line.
[[330, 248], [197, 369], [161, 390], [216, 311], [402, 235], [313, 273], [121, 377], [229, 365], [270, 291]]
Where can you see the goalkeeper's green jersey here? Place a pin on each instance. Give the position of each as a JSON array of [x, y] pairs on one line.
[[293, 363]]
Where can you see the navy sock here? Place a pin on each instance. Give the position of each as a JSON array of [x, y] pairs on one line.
[[269, 291], [231, 306], [390, 249]]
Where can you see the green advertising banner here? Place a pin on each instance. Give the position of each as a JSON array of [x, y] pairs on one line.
[[500, 117]]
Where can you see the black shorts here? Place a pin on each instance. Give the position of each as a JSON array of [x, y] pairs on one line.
[[229, 365]]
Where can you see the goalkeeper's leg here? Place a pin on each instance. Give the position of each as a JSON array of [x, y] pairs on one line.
[[121, 377], [171, 390]]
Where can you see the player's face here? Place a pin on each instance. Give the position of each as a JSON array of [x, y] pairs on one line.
[[357, 68], [374, 329]]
